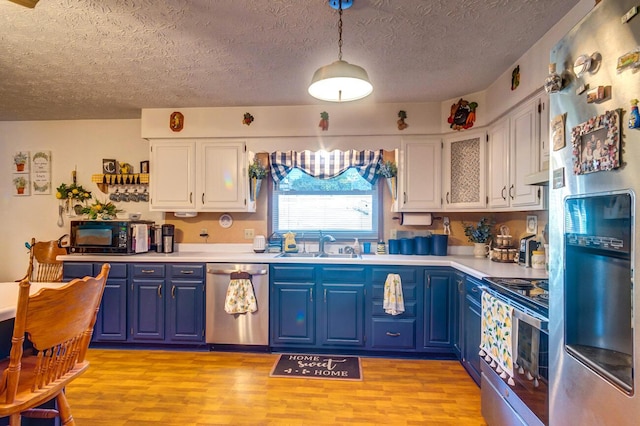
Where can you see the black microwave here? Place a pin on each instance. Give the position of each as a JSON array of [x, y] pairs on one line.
[[110, 236]]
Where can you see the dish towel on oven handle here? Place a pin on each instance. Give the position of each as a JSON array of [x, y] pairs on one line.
[[240, 296], [393, 300], [498, 336]]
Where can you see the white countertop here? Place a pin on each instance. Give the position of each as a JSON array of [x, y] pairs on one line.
[[242, 253], [9, 296]]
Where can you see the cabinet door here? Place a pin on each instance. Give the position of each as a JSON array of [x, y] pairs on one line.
[[111, 322], [465, 170], [458, 316], [292, 313], [472, 329], [185, 311], [147, 309], [524, 154], [172, 176], [420, 174], [499, 184], [341, 317], [222, 180], [438, 312]]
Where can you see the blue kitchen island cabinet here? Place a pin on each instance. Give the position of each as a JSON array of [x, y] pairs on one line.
[[395, 332], [439, 309], [292, 309]]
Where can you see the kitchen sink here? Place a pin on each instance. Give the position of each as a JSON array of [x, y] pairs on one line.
[[285, 254], [340, 256]]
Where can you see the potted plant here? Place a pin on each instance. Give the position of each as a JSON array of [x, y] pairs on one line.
[[479, 235], [389, 171], [20, 159], [20, 183], [73, 193], [257, 172]]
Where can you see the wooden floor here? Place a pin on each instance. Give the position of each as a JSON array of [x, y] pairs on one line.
[[140, 387]]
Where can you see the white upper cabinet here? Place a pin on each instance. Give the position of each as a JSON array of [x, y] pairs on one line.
[[419, 174], [465, 171], [514, 146], [202, 175], [172, 182], [221, 176]]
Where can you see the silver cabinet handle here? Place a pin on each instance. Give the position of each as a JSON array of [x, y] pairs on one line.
[[187, 272], [173, 292], [203, 198], [390, 334], [160, 291], [148, 271], [511, 188], [311, 294], [447, 198], [504, 189], [325, 295], [191, 197]]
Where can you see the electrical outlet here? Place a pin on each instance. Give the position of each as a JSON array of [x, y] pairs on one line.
[[249, 234], [393, 234]]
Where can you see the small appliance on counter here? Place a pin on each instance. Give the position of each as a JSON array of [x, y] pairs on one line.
[[527, 246], [156, 240], [168, 234], [110, 236], [259, 244]]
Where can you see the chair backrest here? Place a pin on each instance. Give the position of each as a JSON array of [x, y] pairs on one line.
[[43, 266], [59, 323]]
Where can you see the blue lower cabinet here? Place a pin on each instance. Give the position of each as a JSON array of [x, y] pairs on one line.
[[439, 321], [292, 313], [111, 323], [393, 334], [472, 314], [342, 314], [185, 311], [147, 309]]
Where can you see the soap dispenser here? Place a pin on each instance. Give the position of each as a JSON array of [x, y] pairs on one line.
[[356, 247]]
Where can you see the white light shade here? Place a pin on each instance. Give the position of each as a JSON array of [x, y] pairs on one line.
[[340, 82]]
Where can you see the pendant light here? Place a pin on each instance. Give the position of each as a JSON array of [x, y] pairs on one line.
[[340, 81]]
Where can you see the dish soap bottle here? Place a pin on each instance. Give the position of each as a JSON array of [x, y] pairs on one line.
[[356, 247]]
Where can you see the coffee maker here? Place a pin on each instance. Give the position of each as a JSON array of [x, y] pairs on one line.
[[527, 246], [168, 233]]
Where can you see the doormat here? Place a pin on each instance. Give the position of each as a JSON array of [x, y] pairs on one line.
[[336, 367]]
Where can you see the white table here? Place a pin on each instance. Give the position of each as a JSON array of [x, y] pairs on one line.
[[9, 296]]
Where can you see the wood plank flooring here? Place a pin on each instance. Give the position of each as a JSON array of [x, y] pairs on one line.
[[142, 387]]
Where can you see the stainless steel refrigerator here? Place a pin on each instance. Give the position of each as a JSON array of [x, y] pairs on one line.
[[594, 338]]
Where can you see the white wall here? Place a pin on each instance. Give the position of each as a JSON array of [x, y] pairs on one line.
[[82, 144]]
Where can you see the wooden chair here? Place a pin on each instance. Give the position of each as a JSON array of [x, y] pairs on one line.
[[59, 323], [43, 266]]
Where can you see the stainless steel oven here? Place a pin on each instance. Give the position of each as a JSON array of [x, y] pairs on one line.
[[523, 399]]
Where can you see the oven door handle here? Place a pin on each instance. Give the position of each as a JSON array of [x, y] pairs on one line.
[[532, 321], [540, 324]]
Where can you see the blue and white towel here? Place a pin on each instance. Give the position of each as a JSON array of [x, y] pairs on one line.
[[393, 300]]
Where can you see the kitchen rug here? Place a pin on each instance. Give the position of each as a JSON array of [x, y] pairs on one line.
[[335, 367]]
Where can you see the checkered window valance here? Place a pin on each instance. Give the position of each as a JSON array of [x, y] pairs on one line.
[[325, 165]]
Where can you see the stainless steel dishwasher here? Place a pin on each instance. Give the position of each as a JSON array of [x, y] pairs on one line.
[[236, 329]]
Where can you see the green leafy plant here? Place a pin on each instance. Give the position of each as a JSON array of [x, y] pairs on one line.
[[388, 169], [73, 191], [99, 209], [257, 170], [480, 233]]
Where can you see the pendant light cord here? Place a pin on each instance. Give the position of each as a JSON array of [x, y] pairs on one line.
[[340, 31]]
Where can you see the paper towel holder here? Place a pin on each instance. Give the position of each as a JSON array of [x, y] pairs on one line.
[[421, 219]]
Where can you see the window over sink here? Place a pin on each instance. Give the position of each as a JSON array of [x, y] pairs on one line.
[[335, 193]]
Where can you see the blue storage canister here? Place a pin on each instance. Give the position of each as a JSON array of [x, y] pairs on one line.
[[423, 246], [439, 244], [406, 246], [394, 246]]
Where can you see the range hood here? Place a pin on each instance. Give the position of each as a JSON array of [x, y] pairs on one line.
[[539, 179]]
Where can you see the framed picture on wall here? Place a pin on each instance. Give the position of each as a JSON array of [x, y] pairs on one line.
[[144, 167]]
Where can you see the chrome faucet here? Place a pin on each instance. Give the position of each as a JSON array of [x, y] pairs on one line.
[[322, 240]]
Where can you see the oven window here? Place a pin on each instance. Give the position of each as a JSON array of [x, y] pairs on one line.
[[94, 237]]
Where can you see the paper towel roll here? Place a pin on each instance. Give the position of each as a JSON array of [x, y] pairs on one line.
[[423, 219]]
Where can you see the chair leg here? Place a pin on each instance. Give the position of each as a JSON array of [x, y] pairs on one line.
[[66, 418], [14, 419]]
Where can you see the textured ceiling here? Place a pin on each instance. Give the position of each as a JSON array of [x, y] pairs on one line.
[[94, 59]]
